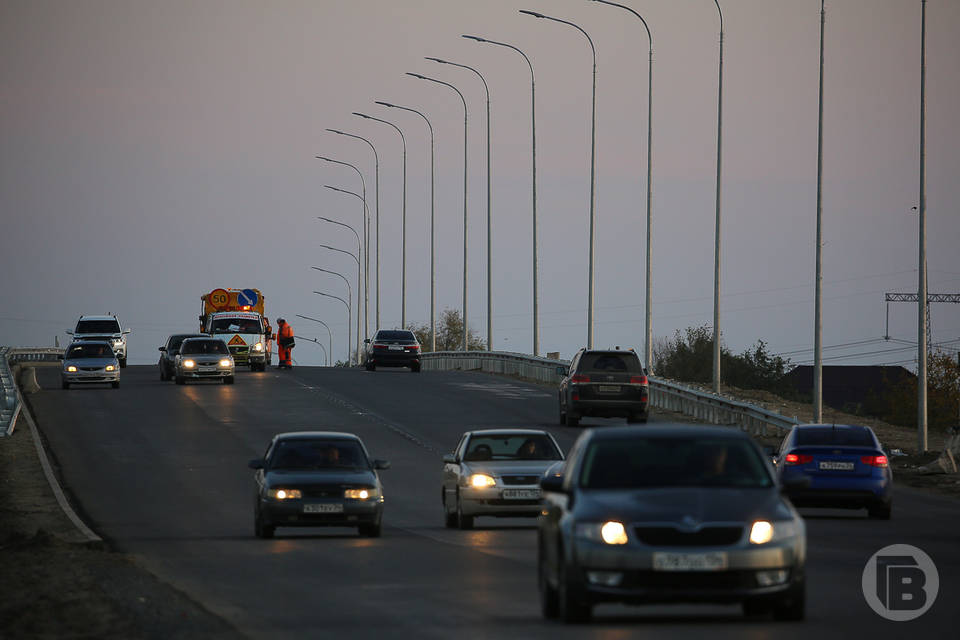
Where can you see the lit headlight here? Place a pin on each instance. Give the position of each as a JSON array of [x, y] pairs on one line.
[[109, 367], [607, 532], [258, 346], [71, 369], [763, 532], [189, 364], [481, 481], [285, 494], [359, 494], [226, 362]]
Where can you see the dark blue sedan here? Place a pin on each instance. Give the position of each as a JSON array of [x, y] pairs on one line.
[[845, 465]]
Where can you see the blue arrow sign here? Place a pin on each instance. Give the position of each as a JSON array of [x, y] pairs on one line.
[[247, 297]]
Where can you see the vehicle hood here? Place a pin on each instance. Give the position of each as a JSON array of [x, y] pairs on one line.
[[81, 363], [682, 504], [508, 467], [300, 478], [97, 336]]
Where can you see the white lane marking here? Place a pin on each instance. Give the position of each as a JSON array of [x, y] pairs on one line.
[[503, 389]]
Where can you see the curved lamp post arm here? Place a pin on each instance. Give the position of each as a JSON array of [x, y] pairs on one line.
[[349, 318], [329, 333], [363, 184]]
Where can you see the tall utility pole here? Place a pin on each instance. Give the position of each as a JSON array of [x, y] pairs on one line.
[[922, 280], [818, 296], [716, 265]]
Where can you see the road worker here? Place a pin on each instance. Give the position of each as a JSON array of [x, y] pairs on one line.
[[284, 344]]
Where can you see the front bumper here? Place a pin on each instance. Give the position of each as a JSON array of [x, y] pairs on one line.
[[490, 502], [291, 513], [200, 374], [99, 376]]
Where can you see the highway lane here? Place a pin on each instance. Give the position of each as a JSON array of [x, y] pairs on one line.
[[160, 470]]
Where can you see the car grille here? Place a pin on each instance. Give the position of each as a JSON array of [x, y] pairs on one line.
[[681, 580], [514, 480], [673, 537], [239, 349], [91, 368], [323, 491]]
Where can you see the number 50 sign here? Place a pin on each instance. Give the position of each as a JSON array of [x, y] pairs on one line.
[[219, 299]]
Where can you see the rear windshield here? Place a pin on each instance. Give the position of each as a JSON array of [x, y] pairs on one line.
[[672, 462], [627, 362], [89, 350], [854, 437], [191, 347], [521, 446], [235, 325], [98, 326], [176, 341], [318, 454], [396, 335]]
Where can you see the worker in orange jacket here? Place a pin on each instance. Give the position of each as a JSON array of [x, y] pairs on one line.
[[284, 343]]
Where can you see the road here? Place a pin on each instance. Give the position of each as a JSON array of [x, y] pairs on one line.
[[160, 471]]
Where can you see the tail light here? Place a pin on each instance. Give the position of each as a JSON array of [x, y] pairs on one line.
[[638, 380], [792, 459], [379, 346], [580, 378], [414, 347], [874, 461]]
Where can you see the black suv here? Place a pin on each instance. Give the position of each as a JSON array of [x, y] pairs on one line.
[[603, 384], [168, 353], [393, 348]]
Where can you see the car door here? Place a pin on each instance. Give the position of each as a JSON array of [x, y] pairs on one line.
[[451, 473]]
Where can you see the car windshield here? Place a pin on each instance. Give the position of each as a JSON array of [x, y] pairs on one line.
[[301, 453], [396, 335], [626, 362], [511, 446], [98, 326], [849, 436], [235, 325], [621, 463], [193, 347], [89, 350]]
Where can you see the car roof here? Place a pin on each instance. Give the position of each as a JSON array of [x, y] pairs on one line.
[[309, 435], [626, 351], [828, 425], [505, 431], [189, 335], [668, 429], [83, 343], [198, 337], [236, 314], [98, 317]]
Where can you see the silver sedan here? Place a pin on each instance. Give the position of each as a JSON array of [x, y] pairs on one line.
[[201, 358], [90, 362], [496, 472]]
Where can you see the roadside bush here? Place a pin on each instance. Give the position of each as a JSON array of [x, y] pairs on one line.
[[449, 333]]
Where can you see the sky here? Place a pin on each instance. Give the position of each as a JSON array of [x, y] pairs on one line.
[[151, 152]]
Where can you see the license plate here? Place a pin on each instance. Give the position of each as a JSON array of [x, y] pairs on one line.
[[396, 347], [323, 508], [689, 561], [208, 368], [521, 494], [833, 465], [609, 388]]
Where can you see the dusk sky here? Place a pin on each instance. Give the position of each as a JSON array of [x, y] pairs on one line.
[[153, 151]]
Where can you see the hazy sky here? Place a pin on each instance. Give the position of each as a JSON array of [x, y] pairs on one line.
[[153, 151]]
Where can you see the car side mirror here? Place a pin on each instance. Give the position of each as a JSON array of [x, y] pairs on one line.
[[162, 349], [449, 458], [59, 356], [563, 371], [69, 332], [795, 483], [256, 463], [366, 340], [552, 482], [126, 331], [381, 464]]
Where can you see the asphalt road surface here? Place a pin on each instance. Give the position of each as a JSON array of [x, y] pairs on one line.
[[160, 470]]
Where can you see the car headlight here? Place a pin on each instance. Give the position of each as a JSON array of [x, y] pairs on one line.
[[611, 532], [285, 494], [71, 369], [481, 481], [360, 494], [109, 367], [763, 531], [189, 364], [258, 346], [226, 362]]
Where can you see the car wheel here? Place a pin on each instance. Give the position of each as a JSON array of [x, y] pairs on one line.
[[563, 416], [880, 511], [415, 368], [549, 603], [163, 375], [64, 384], [123, 362], [228, 380], [260, 529], [449, 517], [793, 605], [115, 384], [636, 418], [179, 380], [370, 367], [573, 419], [370, 530], [463, 521], [570, 606]]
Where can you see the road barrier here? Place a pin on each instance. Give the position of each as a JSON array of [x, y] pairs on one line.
[[10, 402], [664, 394]]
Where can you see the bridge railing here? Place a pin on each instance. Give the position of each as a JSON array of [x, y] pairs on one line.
[[10, 401], [664, 394]]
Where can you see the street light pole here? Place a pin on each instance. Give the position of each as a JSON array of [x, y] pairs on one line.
[[357, 259], [433, 244], [376, 159], [922, 268], [486, 90], [593, 164], [330, 333], [648, 328], [818, 277], [533, 131], [349, 319], [716, 262], [403, 224], [466, 332]]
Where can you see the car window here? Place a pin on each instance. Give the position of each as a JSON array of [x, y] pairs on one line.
[[199, 347], [849, 436], [621, 463], [521, 446], [625, 362], [235, 325], [298, 453], [98, 326], [396, 335], [89, 350]]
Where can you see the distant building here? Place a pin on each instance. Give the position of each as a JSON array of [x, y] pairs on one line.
[[849, 387]]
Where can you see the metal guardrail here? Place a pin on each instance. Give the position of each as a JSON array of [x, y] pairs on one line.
[[10, 402], [664, 394]]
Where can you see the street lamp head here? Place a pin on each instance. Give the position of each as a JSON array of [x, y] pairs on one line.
[[336, 131], [331, 187], [477, 38], [532, 13], [440, 60], [322, 158], [417, 75], [362, 115], [386, 104]]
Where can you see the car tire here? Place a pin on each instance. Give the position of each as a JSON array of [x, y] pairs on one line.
[[449, 517], [163, 374], [123, 362], [563, 416], [637, 418], [880, 511], [228, 379], [549, 602], [64, 384], [370, 367], [179, 379], [115, 384], [464, 522], [370, 530], [262, 530], [415, 368], [792, 606], [570, 605], [573, 419]]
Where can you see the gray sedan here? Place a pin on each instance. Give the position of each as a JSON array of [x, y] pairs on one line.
[[496, 472], [201, 358], [669, 514], [88, 362]]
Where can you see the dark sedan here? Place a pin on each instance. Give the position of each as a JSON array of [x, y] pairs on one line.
[[393, 348], [169, 351], [668, 514], [844, 465], [317, 479]]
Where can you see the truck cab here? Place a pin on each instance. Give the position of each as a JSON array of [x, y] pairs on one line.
[[237, 317]]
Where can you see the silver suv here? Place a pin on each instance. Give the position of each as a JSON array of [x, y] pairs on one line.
[[103, 328]]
